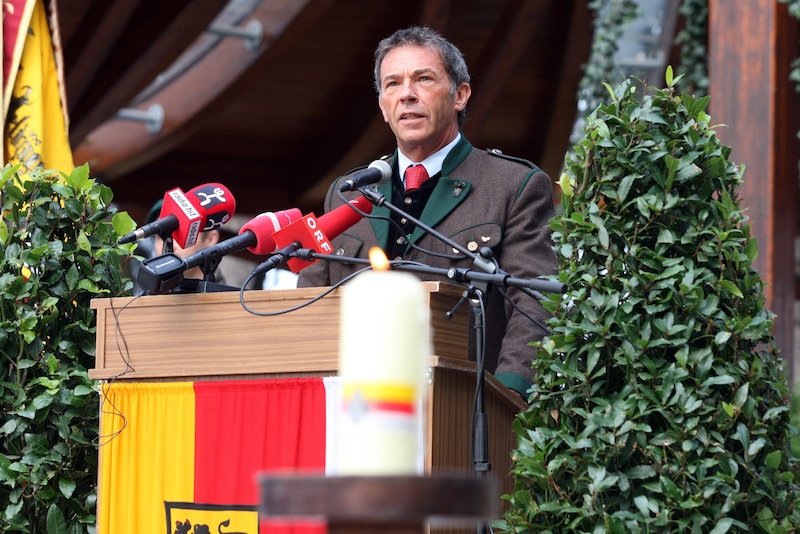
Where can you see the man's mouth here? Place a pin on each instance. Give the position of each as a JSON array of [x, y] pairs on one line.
[[409, 116]]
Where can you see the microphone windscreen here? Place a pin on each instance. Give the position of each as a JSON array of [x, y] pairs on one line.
[[189, 217], [266, 224], [215, 202], [340, 219]]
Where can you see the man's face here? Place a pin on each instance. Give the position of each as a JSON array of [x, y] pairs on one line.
[[416, 100]]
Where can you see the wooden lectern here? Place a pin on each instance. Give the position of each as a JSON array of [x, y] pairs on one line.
[[179, 337]]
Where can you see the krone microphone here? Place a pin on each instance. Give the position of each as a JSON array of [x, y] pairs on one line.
[[315, 234], [378, 172], [185, 215]]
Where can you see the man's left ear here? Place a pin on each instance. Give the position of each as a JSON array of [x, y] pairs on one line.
[[462, 95], [208, 239]]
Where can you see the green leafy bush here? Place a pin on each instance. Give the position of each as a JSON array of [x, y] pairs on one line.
[[660, 403], [57, 252]]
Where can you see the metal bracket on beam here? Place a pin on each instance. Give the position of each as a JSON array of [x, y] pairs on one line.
[[253, 33], [153, 117]]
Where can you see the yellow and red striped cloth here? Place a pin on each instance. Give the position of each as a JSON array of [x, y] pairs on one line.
[[180, 457]]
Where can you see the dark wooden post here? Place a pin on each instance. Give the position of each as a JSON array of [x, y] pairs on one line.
[[751, 47]]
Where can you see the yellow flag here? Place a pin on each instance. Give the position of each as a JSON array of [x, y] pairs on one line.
[[36, 123]]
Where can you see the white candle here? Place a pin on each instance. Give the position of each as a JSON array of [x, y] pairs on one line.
[[383, 351]]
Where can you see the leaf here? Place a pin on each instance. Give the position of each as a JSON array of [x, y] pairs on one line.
[[9, 426], [666, 236], [602, 236], [756, 446], [565, 182], [82, 390], [72, 277], [67, 487], [56, 524], [122, 223], [722, 526], [773, 459], [79, 178], [640, 472], [591, 362], [671, 489], [729, 409], [722, 337], [611, 92], [740, 397], [730, 287], [641, 503], [83, 242]]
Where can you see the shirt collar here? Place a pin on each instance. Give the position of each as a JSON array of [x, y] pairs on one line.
[[433, 163]]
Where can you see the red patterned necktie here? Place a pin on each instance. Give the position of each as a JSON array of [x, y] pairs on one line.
[[415, 176]]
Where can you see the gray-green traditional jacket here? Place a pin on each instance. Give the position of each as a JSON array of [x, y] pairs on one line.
[[482, 198]]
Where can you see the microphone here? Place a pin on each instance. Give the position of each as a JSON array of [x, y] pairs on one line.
[[160, 274], [185, 215], [315, 234], [378, 172], [266, 224]]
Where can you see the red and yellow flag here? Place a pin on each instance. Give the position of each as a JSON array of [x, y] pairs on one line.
[[182, 457], [34, 101]]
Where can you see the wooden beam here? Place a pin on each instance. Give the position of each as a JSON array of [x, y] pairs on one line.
[[118, 146], [85, 76], [751, 45]]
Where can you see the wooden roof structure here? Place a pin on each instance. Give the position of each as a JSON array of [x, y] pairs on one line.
[[276, 118]]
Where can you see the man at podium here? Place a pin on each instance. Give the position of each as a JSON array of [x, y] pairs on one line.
[[476, 198]]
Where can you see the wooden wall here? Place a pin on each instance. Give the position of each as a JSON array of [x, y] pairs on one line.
[[751, 47]]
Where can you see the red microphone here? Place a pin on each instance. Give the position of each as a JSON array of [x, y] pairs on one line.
[[255, 236], [312, 233], [185, 215], [265, 225]]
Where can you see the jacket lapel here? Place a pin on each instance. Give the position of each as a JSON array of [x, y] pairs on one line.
[[447, 194], [449, 191]]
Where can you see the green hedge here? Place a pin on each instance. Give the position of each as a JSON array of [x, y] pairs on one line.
[[660, 403], [57, 252]]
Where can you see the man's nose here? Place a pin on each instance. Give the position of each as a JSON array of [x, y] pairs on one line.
[[408, 92]]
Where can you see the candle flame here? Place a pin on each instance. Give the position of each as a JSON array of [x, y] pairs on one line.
[[378, 259]]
